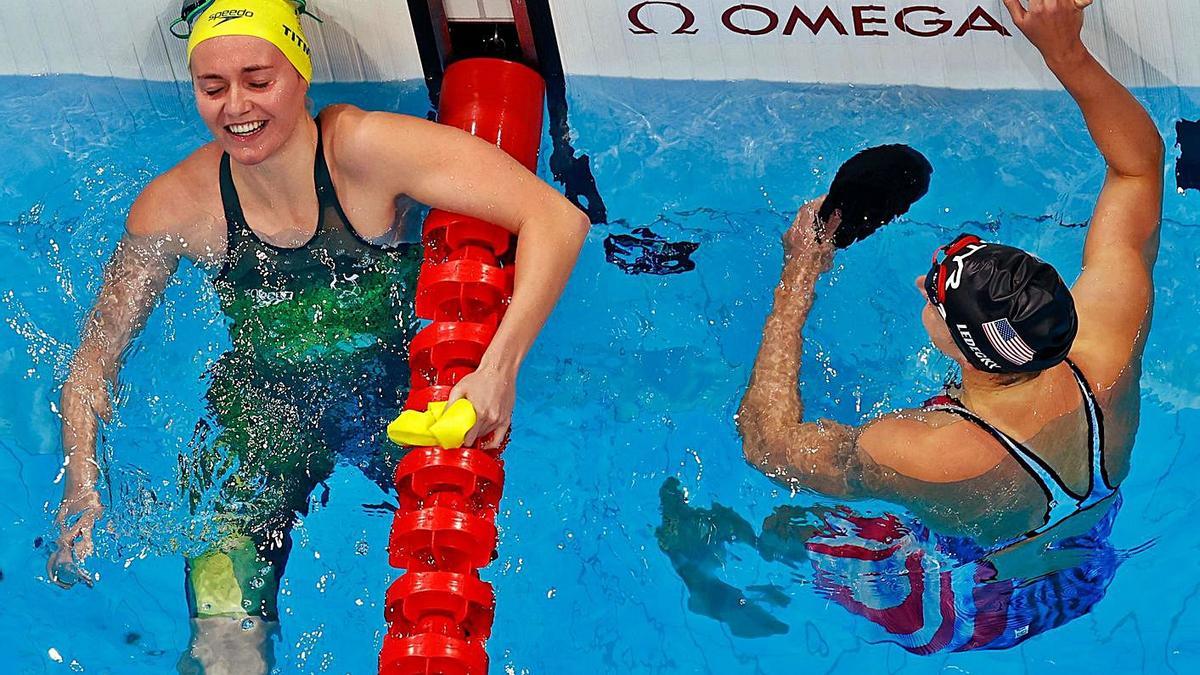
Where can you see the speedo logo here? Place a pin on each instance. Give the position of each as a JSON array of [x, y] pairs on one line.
[[970, 342], [226, 15]]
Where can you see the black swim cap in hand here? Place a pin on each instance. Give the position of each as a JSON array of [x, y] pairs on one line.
[[1007, 310], [873, 188]]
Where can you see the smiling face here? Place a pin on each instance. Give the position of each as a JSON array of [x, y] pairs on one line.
[[249, 95]]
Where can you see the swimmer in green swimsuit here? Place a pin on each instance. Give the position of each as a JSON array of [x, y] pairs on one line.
[[297, 219]]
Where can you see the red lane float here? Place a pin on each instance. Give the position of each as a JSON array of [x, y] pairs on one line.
[[440, 613]]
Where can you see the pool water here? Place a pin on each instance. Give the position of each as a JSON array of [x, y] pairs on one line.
[[625, 405]]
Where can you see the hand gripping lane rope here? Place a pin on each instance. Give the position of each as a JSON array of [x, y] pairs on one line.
[[440, 613]]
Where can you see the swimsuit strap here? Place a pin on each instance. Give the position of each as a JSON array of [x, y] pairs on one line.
[[235, 217], [327, 197], [1060, 501], [1099, 486]]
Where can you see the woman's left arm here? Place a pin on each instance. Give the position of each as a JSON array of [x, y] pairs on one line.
[[451, 170]]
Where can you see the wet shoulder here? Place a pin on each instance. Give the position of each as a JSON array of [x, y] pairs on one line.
[[1116, 384], [349, 134], [184, 205], [358, 142], [930, 447], [1109, 375]]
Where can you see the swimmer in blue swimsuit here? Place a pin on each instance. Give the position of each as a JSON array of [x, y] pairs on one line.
[[1026, 455]]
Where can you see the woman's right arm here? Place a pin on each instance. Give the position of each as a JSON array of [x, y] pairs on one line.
[[134, 279]]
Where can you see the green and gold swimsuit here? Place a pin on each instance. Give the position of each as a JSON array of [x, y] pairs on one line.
[[317, 369]]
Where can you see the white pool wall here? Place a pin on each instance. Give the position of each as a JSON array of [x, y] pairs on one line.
[[1146, 43]]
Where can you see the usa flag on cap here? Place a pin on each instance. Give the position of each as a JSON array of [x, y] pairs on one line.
[[1005, 340]]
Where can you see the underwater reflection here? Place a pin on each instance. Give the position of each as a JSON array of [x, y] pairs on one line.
[[912, 586]]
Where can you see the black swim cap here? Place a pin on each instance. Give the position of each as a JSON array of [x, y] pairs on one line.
[[1008, 311], [873, 188]]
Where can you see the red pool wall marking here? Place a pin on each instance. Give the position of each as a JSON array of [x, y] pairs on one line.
[[439, 613]]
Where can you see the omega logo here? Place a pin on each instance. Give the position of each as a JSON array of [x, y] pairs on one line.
[[639, 28], [866, 20]]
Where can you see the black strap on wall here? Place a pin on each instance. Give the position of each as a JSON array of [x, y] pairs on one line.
[[427, 49], [573, 172], [1187, 167]]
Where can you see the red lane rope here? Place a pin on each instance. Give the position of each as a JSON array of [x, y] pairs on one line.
[[440, 613]]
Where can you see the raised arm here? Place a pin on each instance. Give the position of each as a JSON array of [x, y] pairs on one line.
[[1115, 292], [133, 281], [823, 455], [450, 170]]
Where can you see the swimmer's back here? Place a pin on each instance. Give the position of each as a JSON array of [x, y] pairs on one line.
[[960, 479], [957, 475]]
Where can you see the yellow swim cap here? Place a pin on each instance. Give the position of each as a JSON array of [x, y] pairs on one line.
[[276, 21]]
